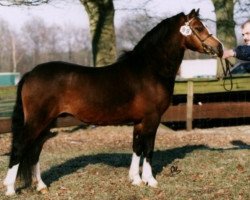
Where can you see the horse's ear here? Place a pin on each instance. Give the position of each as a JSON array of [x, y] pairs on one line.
[[197, 12], [194, 13]]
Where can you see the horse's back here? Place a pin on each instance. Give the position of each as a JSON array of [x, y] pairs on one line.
[[57, 68]]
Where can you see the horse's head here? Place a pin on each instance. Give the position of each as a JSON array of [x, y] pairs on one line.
[[198, 38]]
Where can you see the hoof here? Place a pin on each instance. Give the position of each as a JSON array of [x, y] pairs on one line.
[[10, 189], [10, 193], [136, 180], [44, 191], [150, 182]]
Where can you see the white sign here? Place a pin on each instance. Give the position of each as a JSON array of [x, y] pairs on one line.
[[198, 68]]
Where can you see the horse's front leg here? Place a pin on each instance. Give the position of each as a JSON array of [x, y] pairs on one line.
[[147, 175], [134, 172], [143, 142]]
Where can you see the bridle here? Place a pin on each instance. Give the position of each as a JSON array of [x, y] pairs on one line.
[[227, 73], [209, 50], [188, 30]]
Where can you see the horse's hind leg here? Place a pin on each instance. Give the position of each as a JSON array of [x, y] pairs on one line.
[[40, 185], [15, 159], [10, 179], [36, 173], [26, 147]]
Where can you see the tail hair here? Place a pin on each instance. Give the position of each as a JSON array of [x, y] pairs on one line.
[[18, 115], [18, 131]]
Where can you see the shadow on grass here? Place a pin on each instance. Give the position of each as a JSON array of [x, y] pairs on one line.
[[240, 144], [160, 160]]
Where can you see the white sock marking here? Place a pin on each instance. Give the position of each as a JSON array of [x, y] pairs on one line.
[[147, 175], [10, 179], [134, 171], [37, 174]]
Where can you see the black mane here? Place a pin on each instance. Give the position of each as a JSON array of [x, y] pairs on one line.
[[153, 38]]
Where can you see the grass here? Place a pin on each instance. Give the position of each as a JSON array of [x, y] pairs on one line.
[[240, 83], [7, 92], [7, 99], [93, 164]]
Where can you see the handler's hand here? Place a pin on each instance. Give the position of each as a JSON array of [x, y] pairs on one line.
[[228, 53]]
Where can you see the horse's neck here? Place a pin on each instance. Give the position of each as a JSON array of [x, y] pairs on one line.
[[169, 54], [170, 64], [162, 51]]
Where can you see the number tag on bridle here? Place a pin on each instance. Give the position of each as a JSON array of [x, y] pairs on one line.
[[185, 30]]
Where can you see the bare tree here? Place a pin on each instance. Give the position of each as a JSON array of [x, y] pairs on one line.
[[5, 47], [133, 29], [23, 2], [51, 42], [18, 51], [101, 16], [75, 40], [36, 34], [53, 45]]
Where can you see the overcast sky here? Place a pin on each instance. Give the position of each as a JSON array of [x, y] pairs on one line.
[[74, 13]]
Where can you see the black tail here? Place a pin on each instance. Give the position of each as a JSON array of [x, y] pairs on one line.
[[19, 147], [18, 115]]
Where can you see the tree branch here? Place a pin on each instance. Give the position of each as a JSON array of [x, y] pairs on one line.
[[23, 2]]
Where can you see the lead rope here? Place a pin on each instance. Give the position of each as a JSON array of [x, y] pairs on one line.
[[226, 71]]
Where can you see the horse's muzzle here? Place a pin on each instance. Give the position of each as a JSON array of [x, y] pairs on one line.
[[215, 51]]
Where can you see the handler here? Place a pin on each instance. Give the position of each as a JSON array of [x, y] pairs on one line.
[[241, 52]]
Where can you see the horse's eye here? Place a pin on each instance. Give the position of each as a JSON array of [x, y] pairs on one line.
[[199, 28]]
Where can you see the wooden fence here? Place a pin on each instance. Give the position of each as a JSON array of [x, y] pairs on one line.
[[193, 99]]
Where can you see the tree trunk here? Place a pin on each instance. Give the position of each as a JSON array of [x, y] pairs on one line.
[[13, 44], [224, 10], [101, 18]]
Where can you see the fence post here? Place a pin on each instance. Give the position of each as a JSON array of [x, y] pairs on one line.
[[190, 94]]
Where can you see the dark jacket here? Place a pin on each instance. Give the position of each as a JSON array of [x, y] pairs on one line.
[[243, 52]]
